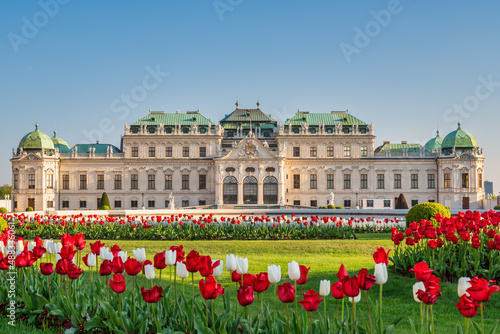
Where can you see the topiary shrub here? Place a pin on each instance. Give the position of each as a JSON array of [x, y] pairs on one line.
[[29, 208], [331, 206], [3, 210], [426, 211], [339, 207], [105, 207], [448, 207], [3, 225], [105, 202], [322, 207], [497, 207], [401, 202]]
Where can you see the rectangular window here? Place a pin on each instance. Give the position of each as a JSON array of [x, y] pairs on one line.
[[364, 181], [83, 204], [431, 181], [203, 152], [135, 152], [480, 180], [414, 181], [314, 203], [65, 180], [447, 180], [313, 181], [397, 181], [313, 152], [329, 151], [152, 151], [380, 181], [296, 181], [118, 181], [364, 151], [167, 203], [296, 151], [296, 202], [185, 182], [347, 181], [31, 181], [134, 182], [83, 181], [465, 180], [16, 181], [414, 202], [151, 182], [118, 204], [50, 181], [50, 204], [329, 181], [387, 203], [151, 204], [168, 182], [202, 202], [100, 181], [168, 151], [134, 204], [185, 203], [369, 203], [65, 204], [347, 151], [185, 152], [202, 182], [347, 203]]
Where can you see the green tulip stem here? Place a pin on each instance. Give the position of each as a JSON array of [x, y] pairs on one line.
[[183, 286], [324, 308], [206, 313], [175, 288], [159, 279], [48, 277], [353, 314], [287, 320], [275, 293], [213, 318], [422, 312], [342, 316], [258, 302], [467, 326], [296, 301], [337, 310], [432, 321], [249, 320], [380, 308], [154, 317], [134, 319], [427, 320], [192, 299], [236, 304], [310, 322], [368, 309], [482, 319]]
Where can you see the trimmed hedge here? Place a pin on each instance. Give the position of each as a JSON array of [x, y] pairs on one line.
[[105, 202], [3, 210], [3, 225], [29, 208], [497, 207], [331, 206], [426, 211], [105, 207]]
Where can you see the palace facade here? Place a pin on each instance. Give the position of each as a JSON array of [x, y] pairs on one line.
[[171, 160]]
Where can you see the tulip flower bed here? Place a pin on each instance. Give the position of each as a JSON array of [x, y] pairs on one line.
[[465, 245], [188, 227], [95, 301]]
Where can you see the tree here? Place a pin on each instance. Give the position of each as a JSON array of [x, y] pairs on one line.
[[401, 202], [5, 190], [104, 201]]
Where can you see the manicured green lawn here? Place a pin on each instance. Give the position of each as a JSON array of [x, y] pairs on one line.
[[324, 257]]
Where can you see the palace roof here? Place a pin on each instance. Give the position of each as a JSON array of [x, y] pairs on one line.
[[160, 117], [333, 118]]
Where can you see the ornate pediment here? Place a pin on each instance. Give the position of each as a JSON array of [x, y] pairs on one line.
[[32, 157], [249, 148], [465, 156]]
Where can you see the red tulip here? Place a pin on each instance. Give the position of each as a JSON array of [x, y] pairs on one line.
[[206, 266], [73, 271], [62, 267], [422, 271], [96, 247], [261, 282], [180, 253], [193, 262], [38, 241], [235, 277], [67, 252], [117, 265], [365, 280], [210, 289], [46, 268], [115, 249], [159, 261], [245, 295], [144, 264], [432, 284], [105, 268], [286, 292], [337, 290], [151, 296], [303, 275], [427, 297], [132, 266], [432, 244], [479, 290], [38, 252], [79, 240], [67, 240], [117, 284], [342, 274], [311, 301], [350, 286], [467, 307], [380, 256], [23, 259]]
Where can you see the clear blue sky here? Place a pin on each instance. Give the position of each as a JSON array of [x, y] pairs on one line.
[[405, 73]]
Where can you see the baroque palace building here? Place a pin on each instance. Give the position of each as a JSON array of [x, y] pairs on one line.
[[169, 160]]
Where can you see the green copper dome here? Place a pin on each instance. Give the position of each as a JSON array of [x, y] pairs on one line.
[[59, 143], [434, 144], [36, 140], [460, 140]]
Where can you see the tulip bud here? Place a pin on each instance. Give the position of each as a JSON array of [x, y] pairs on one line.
[[218, 270], [293, 270], [274, 274], [463, 285], [230, 262], [182, 272], [149, 271], [170, 257], [324, 288], [241, 265], [418, 286], [91, 260], [355, 299], [140, 254], [380, 273]]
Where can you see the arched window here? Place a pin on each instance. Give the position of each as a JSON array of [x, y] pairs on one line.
[[230, 190], [250, 190], [270, 190]]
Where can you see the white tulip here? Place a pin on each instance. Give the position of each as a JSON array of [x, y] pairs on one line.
[[170, 257], [293, 270], [19, 245], [91, 260], [149, 271], [241, 265], [31, 245], [50, 246], [218, 270], [355, 299], [58, 257], [57, 247], [140, 254], [463, 285], [18, 252], [380, 273], [46, 243], [230, 262], [105, 254], [274, 274], [123, 256], [2, 248], [182, 272], [418, 286], [324, 288]]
